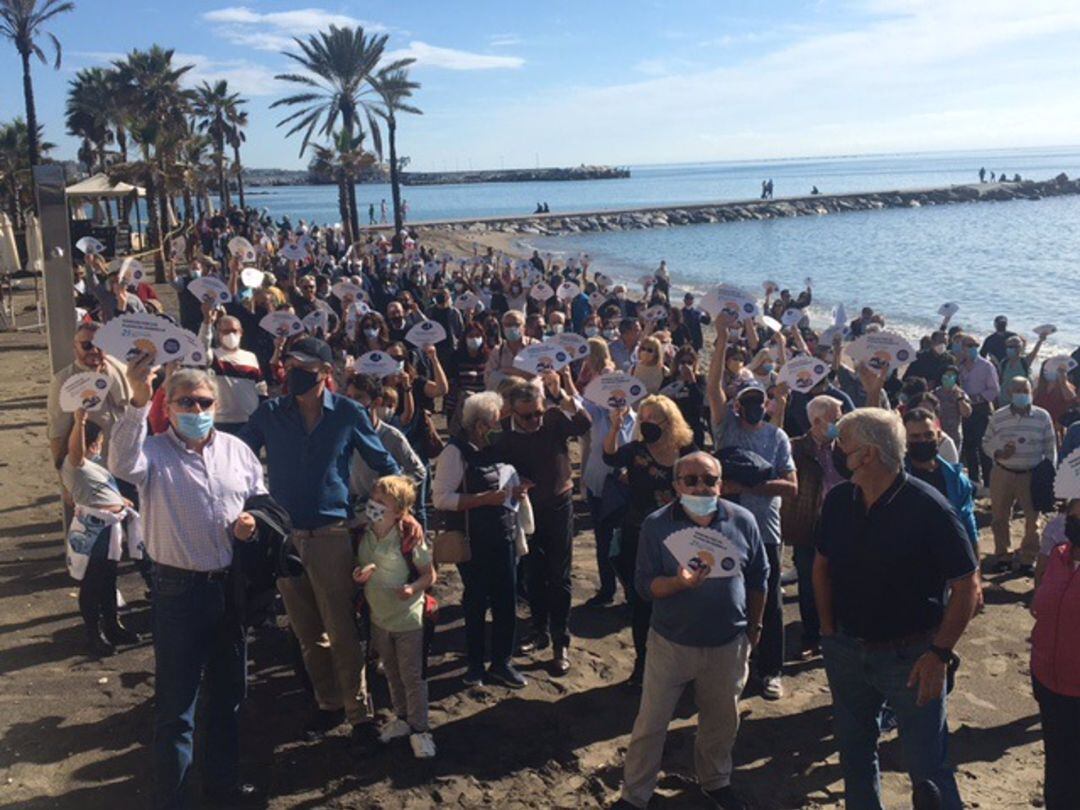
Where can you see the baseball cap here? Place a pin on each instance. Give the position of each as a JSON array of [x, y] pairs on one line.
[[310, 350], [752, 385]]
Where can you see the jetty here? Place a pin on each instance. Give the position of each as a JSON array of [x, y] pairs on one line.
[[544, 175], [625, 219]]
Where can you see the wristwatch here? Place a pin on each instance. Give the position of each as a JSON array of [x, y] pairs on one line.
[[946, 655]]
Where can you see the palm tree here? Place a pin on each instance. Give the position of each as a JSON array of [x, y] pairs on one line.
[[237, 120], [22, 22], [149, 87], [213, 103], [16, 184], [395, 89], [343, 159], [339, 83], [88, 103]]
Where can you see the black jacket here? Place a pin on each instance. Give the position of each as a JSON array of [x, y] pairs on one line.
[[262, 560]]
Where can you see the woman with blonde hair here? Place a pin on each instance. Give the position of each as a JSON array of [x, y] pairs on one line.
[[663, 437], [649, 367], [598, 362]]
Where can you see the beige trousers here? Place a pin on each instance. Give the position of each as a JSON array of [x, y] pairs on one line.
[[1005, 489], [402, 655], [719, 675], [320, 608]]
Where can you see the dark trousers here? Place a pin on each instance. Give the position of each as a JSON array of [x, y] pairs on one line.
[[978, 463], [550, 555], [97, 590], [1060, 716], [769, 656], [490, 582], [603, 530], [640, 608], [196, 632], [808, 615]]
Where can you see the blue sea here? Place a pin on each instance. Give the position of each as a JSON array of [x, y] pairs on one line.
[[1020, 258]]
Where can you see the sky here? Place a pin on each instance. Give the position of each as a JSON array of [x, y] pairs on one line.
[[634, 82]]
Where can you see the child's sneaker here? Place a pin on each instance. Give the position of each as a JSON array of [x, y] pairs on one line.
[[423, 745], [394, 730]]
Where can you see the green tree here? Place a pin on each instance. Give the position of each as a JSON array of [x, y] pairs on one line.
[[87, 113], [238, 119], [149, 86], [16, 184], [23, 21], [343, 159], [214, 106], [339, 85], [395, 89]]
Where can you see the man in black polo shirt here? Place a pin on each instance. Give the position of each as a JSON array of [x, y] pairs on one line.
[[895, 585]]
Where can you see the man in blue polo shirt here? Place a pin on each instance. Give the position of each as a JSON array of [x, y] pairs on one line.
[[895, 581], [702, 564], [310, 436]]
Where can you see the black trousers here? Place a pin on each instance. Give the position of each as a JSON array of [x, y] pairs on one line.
[[769, 656], [1060, 716], [97, 590], [640, 608], [489, 580], [978, 463], [548, 567]]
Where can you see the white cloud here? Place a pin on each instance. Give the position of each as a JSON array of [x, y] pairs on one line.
[[453, 59], [504, 40], [244, 77], [274, 31]]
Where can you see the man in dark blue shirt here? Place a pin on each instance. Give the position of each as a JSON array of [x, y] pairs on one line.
[[693, 319], [703, 565], [310, 436], [895, 581]]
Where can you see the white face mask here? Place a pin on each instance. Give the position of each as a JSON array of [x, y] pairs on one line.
[[374, 511], [231, 340], [474, 342], [383, 413]]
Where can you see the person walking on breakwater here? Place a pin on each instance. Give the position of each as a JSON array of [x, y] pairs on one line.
[[764, 189], [382, 212], [371, 213]]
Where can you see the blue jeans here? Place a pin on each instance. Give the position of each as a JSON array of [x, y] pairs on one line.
[[196, 631], [861, 681]]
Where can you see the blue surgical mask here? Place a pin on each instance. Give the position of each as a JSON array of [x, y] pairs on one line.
[[591, 331], [698, 505], [832, 432], [973, 352], [513, 333], [1021, 400], [195, 426]]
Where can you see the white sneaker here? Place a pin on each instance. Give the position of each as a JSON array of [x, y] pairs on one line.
[[423, 745], [395, 729], [772, 688]]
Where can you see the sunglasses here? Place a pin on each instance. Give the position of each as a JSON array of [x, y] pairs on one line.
[[87, 345], [205, 403], [530, 417], [692, 479]]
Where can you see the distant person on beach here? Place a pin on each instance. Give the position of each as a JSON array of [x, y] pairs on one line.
[[982, 175], [382, 212], [764, 189], [547, 208], [769, 188], [992, 177], [371, 213], [814, 190], [404, 209]]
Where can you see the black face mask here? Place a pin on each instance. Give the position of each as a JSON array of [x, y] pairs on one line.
[[651, 432], [922, 451], [300, 381], [839, 462], [752, 412], [1072, 530]]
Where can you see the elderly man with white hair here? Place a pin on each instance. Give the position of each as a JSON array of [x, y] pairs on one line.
[[896, 583], [702, 563], [193, 483], [469, 489], [799, 514], [241, 386]]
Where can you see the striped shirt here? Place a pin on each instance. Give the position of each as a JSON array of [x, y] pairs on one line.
[[1031, 433], [188, 500]]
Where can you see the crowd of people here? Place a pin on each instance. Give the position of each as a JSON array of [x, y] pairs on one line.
[[309, 465]]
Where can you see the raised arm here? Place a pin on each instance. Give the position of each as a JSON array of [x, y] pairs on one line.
[[76, 445], [127, 456], [439, 385]]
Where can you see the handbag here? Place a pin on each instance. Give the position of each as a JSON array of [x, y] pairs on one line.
[[452, 545]]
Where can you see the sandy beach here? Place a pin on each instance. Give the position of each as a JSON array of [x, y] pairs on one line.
[[74, 732]]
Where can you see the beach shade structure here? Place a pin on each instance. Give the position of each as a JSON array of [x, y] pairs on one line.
[[9, 253], [35, 253], [99, 187]]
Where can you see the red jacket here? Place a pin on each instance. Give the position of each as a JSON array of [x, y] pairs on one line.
[[1055, 641]]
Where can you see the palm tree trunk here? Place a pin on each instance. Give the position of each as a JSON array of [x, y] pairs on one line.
[[343, 209], [354, 216], [395, 185], [31, 113], [239, 174], [102, 164]]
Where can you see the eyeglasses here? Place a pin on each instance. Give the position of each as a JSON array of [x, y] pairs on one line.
[[204, 403], [643, 350], [692, 479], [530, 417], [87, 345]]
